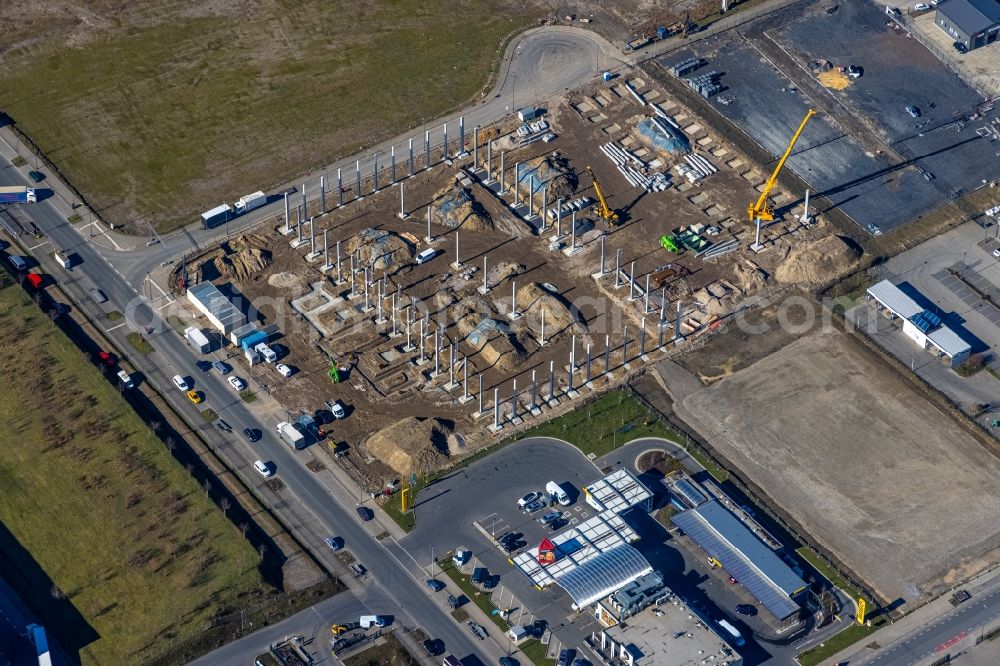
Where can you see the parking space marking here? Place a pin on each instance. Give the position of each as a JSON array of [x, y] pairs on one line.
[[33, 248]]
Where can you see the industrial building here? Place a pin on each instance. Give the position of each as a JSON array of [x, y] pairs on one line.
[[667, 634], [920, 325], [733, 546], [225, 316], [973, 23]]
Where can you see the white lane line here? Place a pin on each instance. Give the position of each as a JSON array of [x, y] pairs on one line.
[[32, 249], [108, 330], [158, 288]]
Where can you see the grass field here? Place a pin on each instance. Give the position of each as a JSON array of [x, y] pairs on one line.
[[605, 424], [111, 543], [160, 109]]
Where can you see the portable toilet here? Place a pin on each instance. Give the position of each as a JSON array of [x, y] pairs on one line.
[[661, 32], [607, 76]]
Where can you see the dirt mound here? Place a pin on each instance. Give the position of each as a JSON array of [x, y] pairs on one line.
[[454, 206], [503, 270], [492, 339], [817, 262], [380, 250], [285, 280], [533, 299], [749, 277], [717, 298], [412, 445], [551, 171]]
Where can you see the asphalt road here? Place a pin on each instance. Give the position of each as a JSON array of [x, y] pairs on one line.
[[964, 620]]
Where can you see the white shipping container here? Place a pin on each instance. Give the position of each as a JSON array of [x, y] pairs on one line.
[[249, 202]]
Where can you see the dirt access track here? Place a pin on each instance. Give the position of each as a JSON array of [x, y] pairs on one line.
[[869, 468]]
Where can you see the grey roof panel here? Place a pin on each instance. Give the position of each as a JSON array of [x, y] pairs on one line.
[[971, 16], [747, 559]]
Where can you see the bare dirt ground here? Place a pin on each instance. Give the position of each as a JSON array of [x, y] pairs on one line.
[[860, 460]]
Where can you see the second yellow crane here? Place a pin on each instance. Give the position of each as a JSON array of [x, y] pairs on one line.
[[603, 212], [761, 210]]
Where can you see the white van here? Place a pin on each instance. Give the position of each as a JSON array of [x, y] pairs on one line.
[[731, 633], [368, 621], [426, 255], [124, 378], [262, 468], [555, 491]]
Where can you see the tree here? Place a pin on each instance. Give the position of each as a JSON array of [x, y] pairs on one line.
[[56, 593], [243, 529], [224, 504], [207, 485]]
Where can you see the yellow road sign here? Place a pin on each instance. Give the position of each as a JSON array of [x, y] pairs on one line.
[[860, 617], [404, 500]]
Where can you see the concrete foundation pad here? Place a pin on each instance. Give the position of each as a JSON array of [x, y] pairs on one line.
[[403, 216], [298, 243], [482, 290], [553, 402], [478, 415], [417, 362], [380, 320], [451, 386], [313, 256], [516, 420], [597, 276], [409, 349], [464, 399], [395, 335], [572, 394], [555, 238], [456, 265], [535, 411], [285, 232], [757, 247], [494, 428], [514, 316], [326, 268], [571, 251]]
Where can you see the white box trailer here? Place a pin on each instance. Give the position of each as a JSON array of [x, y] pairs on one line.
[[197, 339], [247, 203], [292, 435]]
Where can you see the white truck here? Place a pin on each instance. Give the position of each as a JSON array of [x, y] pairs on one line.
[[17, 194], [292, 435], [197, 339], [368, 621], [557, 493], [731, 633], [249, 202], [269, 354]]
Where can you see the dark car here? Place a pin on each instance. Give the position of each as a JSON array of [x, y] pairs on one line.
[[566, 656], [434, 646], [36, 176], [746, 609], [223, 426], [365, 513], [251, 434], [508, 661], [960, 47], [435, 584]]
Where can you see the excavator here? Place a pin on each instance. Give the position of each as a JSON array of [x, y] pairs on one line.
[[603, 212], [761, 210], [338, 629]]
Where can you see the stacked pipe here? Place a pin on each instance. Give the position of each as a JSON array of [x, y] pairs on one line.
[[627, 164], [568, 207], [639, 98], [700, 164]]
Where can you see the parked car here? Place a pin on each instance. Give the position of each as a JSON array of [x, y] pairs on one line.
[[528, 499], [251, 434], [365, 513], [434, 646], [508, 661], [263, 468], [565, 657], [581, 662], [921, 7], [996, 252], [550, 517], [125, 379], [874, 229], [913, 111], [746, 609], [334, 543], [222, 368], [435, 585], [533, 507], [960, 47], [283, 369], [194, 397], [97, 295], [18, 262], [181, 383], [337, 409], [36, 176], [237, 383]]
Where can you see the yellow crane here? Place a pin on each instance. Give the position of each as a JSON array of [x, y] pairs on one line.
[[761, 210], [603, 212]]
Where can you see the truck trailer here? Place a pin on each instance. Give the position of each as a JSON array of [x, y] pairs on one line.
[[291, 435], [216, 216], [197, 339], [17, 194], [249, 202]]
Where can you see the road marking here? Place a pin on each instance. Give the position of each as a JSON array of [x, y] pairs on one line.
[[32, 249], [114, 328], [158, 288]]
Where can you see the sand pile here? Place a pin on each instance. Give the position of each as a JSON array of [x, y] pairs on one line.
[[454, 206], [749, 277], [380, 250], [492, 340], [412, 445], [817, 262], [285, 281], [501, 271], [533, 299], [551, 171], [716, 298]]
